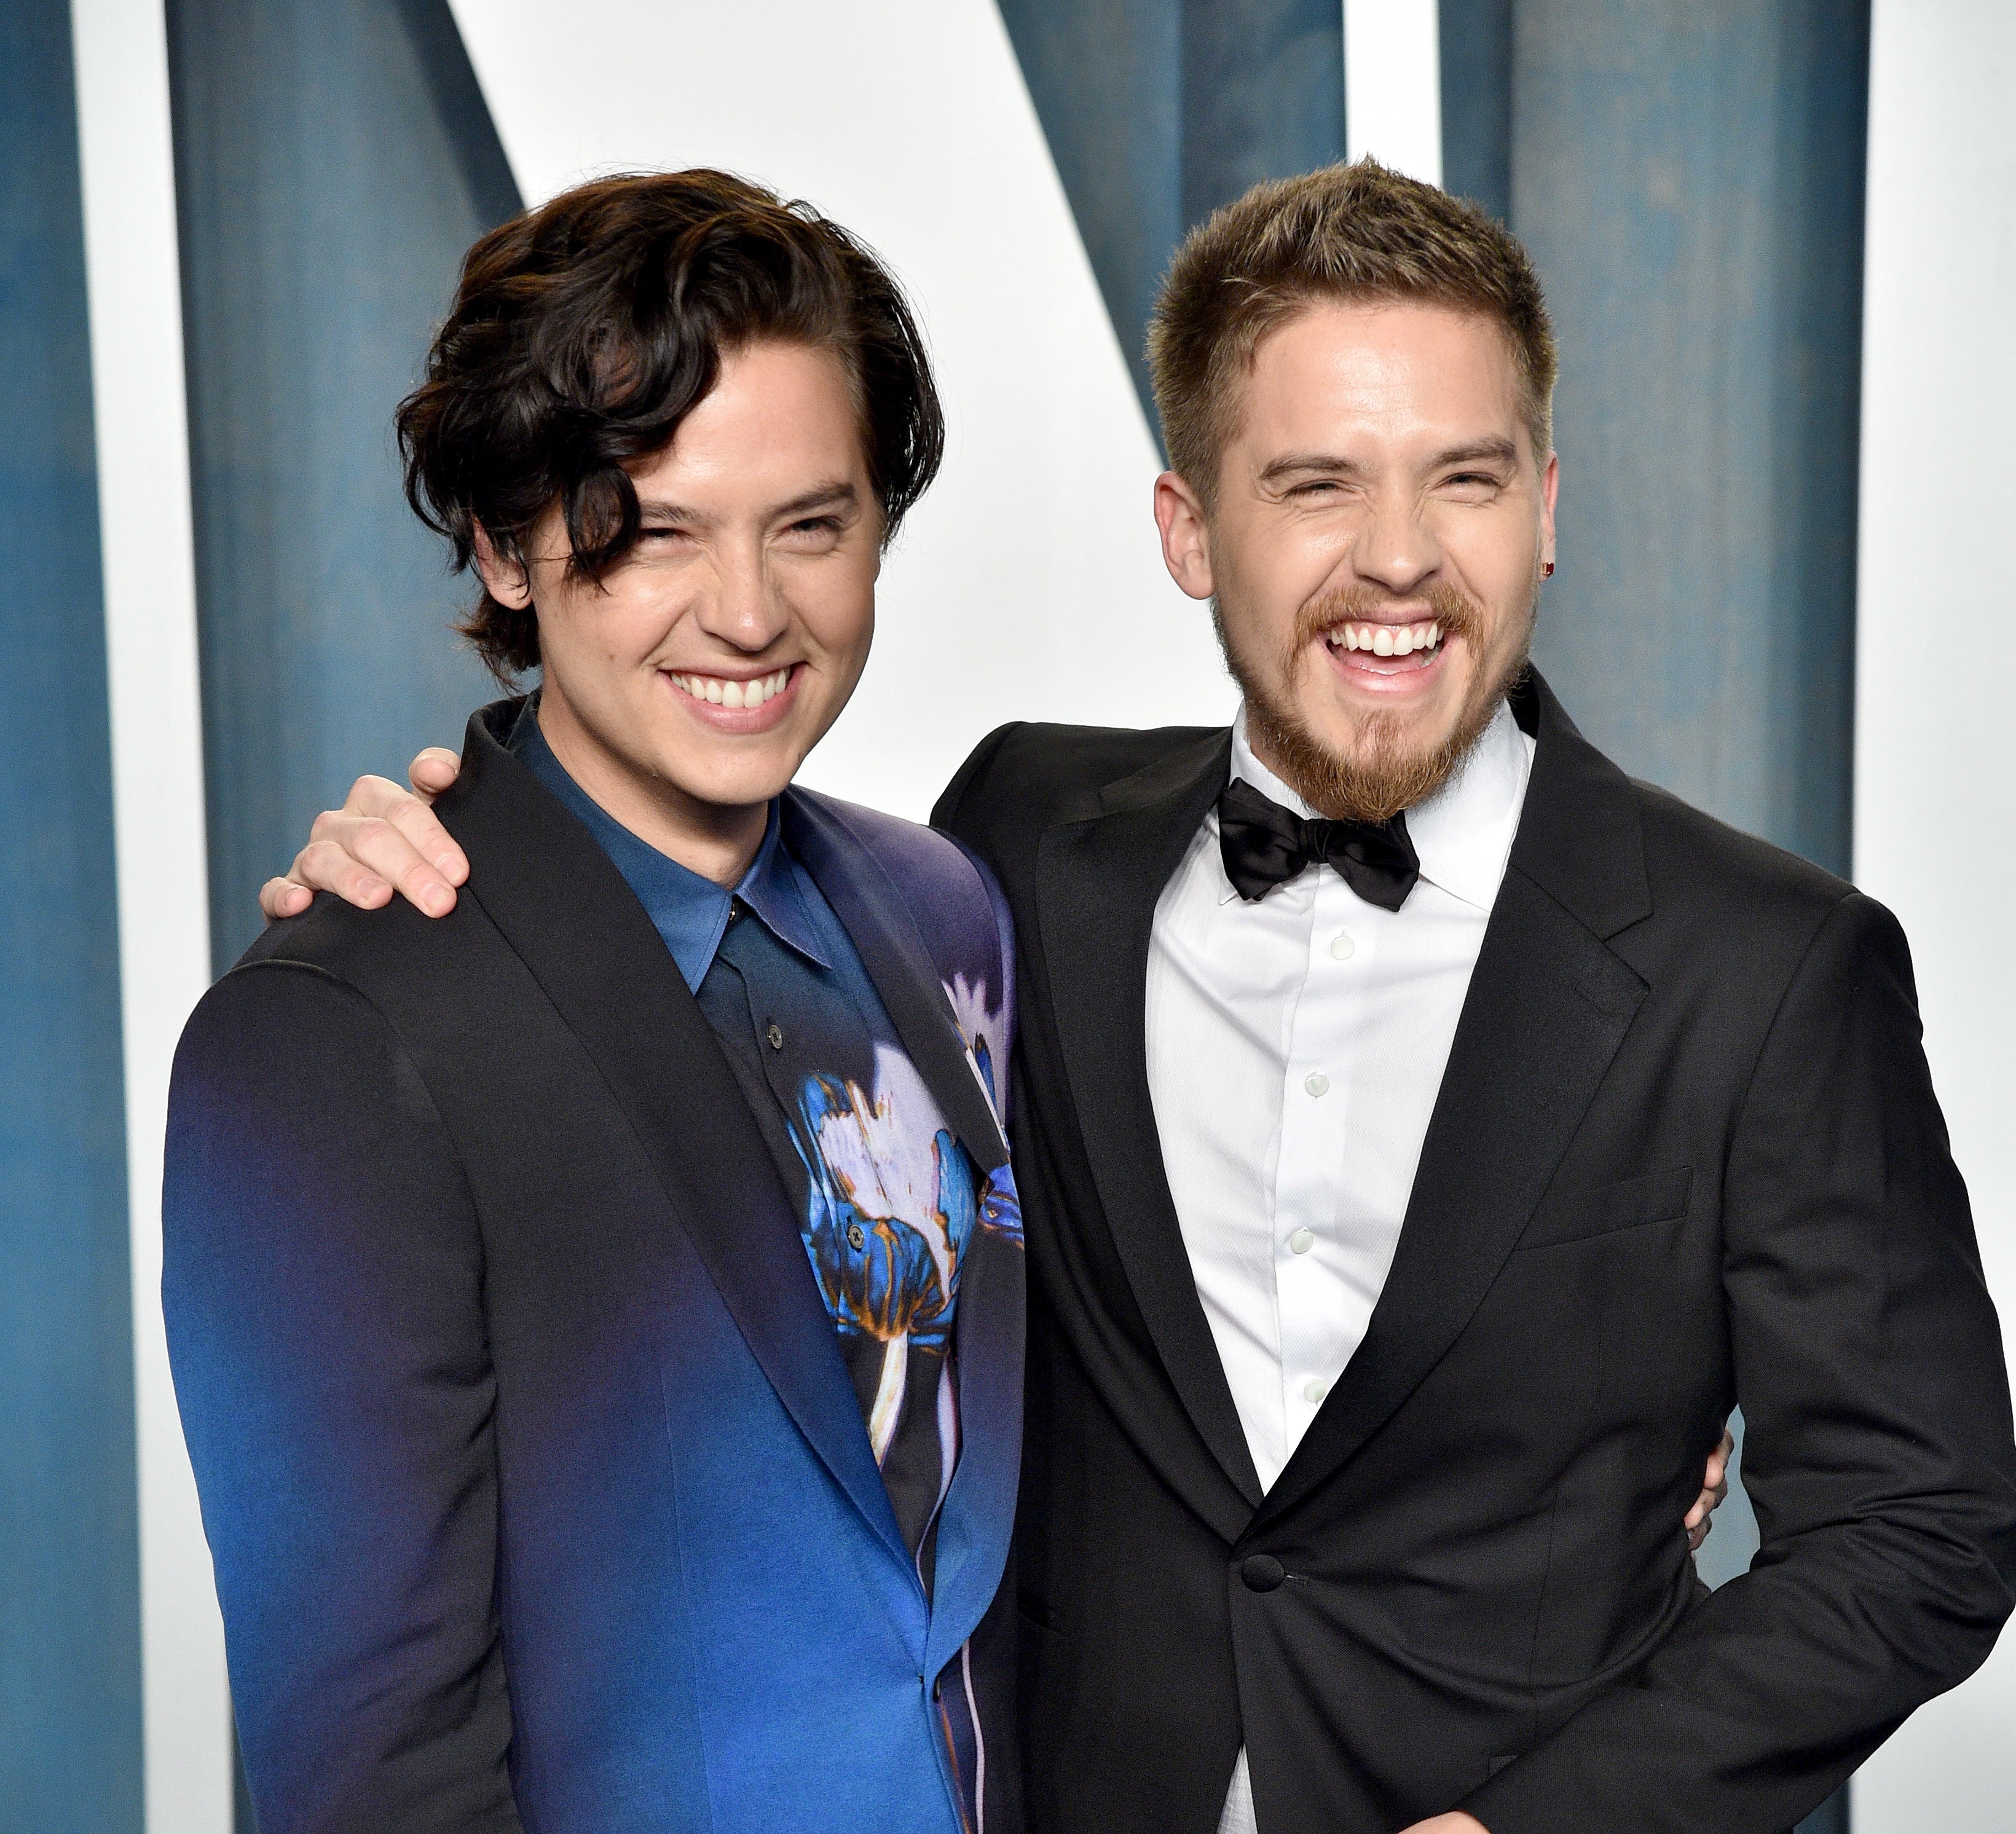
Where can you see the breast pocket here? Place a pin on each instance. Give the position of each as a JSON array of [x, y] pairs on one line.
[[1655, 1197]]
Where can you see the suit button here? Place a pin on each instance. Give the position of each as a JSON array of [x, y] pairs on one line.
[[775, 1032], [1261, 1573]]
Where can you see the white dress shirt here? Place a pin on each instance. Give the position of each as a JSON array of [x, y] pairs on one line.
[[1295, 1050]]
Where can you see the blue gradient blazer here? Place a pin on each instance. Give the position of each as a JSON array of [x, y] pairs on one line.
[[537, 1493]]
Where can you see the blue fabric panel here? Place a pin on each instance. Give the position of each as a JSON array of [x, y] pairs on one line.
[[1689, 178], [333, 161], [1476, 41], [1106, 76], [1158, 111], [70, 1621], [1263, 95]]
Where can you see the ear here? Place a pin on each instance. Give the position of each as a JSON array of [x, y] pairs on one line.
[[1180, 514], [507, 582], [1550, 480]]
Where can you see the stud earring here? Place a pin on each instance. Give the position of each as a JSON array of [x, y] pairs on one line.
[[1548, 573]]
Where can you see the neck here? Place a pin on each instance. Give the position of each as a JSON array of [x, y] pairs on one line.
[[717, 840]]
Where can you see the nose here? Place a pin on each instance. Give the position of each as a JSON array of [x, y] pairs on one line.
[[1397, 549], [743, 607]]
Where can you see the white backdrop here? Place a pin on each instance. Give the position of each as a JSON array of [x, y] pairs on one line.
[[1934, 792], [1027, 584], [148, 555]]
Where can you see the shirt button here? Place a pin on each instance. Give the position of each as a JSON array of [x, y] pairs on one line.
[[857, 1237], [1313, 1392], [1342, 946], [1316, 1083], [1302, 1240], [775, 1034]]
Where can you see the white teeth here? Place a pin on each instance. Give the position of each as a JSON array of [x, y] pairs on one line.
[[1434, 635], [719, 692], [1382, 642]]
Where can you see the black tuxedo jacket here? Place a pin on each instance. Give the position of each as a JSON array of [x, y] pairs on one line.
[[1686, 1154]]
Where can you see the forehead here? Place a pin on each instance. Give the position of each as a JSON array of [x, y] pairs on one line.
[[1386, 369], [776, 408]]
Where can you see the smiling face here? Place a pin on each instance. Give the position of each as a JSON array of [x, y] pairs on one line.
[[683, 689], [1375, 543]]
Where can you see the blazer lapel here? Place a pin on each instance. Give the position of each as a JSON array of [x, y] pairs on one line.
[[572, 919], [1098, 881], [978, 1516], [1548, 1006], [874, 910]]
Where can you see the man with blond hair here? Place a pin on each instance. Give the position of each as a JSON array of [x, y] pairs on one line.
[[1426, 1135]]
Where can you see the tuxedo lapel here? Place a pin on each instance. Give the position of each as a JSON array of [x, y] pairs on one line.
[[1098, 881], [1548, 1006], [872, 910], [572, 919]]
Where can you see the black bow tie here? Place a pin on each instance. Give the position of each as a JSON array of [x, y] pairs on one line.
[[1266, 845]]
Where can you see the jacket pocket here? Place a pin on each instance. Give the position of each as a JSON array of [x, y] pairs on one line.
[[1656, 1197]]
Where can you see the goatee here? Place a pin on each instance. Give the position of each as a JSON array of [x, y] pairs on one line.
[[1385, 773]]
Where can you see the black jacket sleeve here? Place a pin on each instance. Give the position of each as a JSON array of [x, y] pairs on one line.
[[323, 1283], [1877, 1447]]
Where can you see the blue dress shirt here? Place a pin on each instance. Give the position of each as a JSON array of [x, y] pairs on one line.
[[880, 1185]]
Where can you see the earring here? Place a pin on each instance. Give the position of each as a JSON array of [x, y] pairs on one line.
[[1548, 573]]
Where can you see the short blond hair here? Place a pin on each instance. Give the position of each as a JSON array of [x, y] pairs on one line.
[[1350, 232]]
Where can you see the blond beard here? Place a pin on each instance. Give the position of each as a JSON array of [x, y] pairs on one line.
[[1383, 775]]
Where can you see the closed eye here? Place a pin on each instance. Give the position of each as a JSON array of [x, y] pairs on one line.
[[1471, 485]]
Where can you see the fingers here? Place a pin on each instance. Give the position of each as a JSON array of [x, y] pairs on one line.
[[1715, 1482], [433, 771], [283, 897], [363, 858], [379, 799], [1699, 1520], [326, 865]]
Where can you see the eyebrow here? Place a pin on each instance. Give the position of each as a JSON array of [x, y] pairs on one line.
[[1301, 464], [838, 494]]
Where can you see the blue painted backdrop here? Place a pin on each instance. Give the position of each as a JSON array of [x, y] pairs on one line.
[[1158, 111], [1689, 177], [69, 1679], [333, 160]]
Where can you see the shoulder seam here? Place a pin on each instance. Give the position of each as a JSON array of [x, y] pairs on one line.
[[293, 965]]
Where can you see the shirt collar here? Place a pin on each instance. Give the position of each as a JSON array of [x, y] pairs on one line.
[[1463, 833], [687, 909]]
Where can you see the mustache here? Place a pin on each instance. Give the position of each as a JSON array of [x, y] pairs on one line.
[[1458, 614]]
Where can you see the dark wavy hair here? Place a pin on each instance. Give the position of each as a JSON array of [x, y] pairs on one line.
[[584, 332]]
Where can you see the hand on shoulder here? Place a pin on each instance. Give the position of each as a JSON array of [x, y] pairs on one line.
[[383, 839]]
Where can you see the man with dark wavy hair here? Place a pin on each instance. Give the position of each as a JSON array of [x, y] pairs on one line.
[[1426, 1135], [631, 1443]]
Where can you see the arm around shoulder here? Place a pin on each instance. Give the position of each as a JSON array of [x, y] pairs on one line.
[[323, 1286]]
